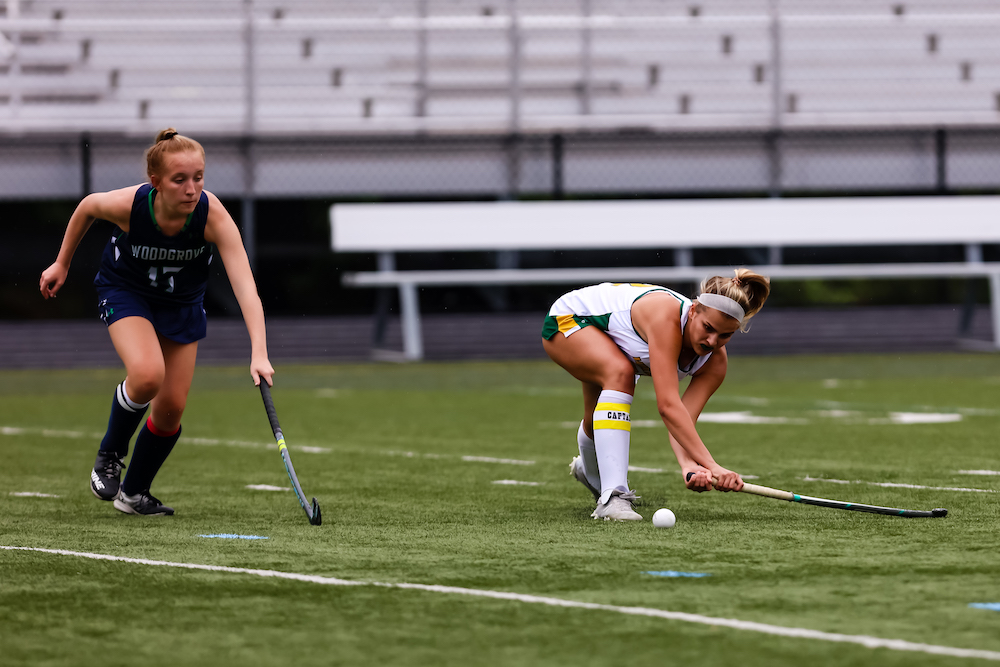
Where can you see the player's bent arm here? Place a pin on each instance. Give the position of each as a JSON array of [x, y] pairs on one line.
[[656, 317], [222, 231], [114, 206], [663, 353], [702, 387], [659, 324]]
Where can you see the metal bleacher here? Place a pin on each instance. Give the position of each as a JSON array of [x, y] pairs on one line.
[[405, 66]]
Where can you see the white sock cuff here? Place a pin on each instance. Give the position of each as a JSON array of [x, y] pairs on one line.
[[126, 402], [612, 396], [582, 438]]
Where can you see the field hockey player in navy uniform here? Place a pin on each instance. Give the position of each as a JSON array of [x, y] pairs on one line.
[[608, 335], [151, 285]]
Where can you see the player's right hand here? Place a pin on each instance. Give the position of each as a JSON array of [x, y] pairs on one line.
[[726, 480], [52, 280]]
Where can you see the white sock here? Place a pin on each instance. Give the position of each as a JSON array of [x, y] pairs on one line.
[[612, 428], [588, 455], [128, 403]]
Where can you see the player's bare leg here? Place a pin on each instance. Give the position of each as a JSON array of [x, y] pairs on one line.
[[137, 345], [168, 406], [159, 434], [608, 380]]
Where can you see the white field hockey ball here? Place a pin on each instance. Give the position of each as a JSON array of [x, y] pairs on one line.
[[664, 518]]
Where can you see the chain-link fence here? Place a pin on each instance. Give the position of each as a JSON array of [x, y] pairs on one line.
[[579, 165]]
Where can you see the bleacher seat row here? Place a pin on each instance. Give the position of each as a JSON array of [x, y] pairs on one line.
[[495, 66]]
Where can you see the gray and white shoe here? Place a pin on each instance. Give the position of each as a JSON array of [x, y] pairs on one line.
[[141, 503], [618, 507], [577, 471]]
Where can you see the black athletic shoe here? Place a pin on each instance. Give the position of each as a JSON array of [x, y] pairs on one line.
[[105, 478], [141, 503]]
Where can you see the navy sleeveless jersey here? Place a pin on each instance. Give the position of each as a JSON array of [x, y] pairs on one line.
[[160, 268]]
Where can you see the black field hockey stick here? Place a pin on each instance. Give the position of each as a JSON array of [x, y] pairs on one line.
[[312, 511], [768, 492]]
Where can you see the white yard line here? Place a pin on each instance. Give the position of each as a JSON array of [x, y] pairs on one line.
[[746, 417], [735, 624], [83, 435], [220, 442], [978, 472], [490, 459], [516, 482], [920, 418], [413, 455], [896, 485]]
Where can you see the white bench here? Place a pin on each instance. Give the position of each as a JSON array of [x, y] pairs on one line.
[[680, 225]]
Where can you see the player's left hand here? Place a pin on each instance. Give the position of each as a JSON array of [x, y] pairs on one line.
[[261, 368], [698, 479]]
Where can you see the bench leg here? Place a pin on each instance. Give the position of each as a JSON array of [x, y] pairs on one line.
[[995, 307], [409, 302]]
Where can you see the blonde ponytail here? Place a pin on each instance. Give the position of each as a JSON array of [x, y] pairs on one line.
[[747, 288]]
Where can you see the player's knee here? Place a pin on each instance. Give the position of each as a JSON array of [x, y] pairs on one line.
[[620, 376], [145, 381]]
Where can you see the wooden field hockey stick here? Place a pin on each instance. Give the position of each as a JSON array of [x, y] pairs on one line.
[[312, 511], [768, 492]]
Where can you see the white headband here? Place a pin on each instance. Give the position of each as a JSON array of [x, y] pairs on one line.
[[723, 304]]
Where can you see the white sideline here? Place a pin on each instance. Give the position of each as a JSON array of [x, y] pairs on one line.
[[750, 626]]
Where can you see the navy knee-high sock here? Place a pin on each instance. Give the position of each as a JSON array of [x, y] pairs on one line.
[[152, 446], [125, 417]]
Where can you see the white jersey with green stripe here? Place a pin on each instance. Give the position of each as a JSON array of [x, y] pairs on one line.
[[608, 306]]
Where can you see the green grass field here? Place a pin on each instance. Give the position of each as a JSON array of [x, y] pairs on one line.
[[386, 450]]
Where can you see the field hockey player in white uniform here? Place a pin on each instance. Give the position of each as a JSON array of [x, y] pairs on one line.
[[608, 335]]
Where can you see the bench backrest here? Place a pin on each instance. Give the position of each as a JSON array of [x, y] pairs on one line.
[[705, 223]]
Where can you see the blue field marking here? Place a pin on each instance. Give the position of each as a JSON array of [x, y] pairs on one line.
[[231, 536], [992, 606], [675, 573]]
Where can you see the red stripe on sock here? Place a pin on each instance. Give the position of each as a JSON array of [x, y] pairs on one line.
[[159, 432]]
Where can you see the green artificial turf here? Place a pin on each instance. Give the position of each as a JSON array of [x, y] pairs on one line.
[[385, 449]]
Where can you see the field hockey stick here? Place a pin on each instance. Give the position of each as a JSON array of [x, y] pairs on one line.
[[312, 511], [768, 492]]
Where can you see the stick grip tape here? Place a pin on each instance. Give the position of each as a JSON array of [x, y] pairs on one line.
[[272, 415], [758, 490]]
